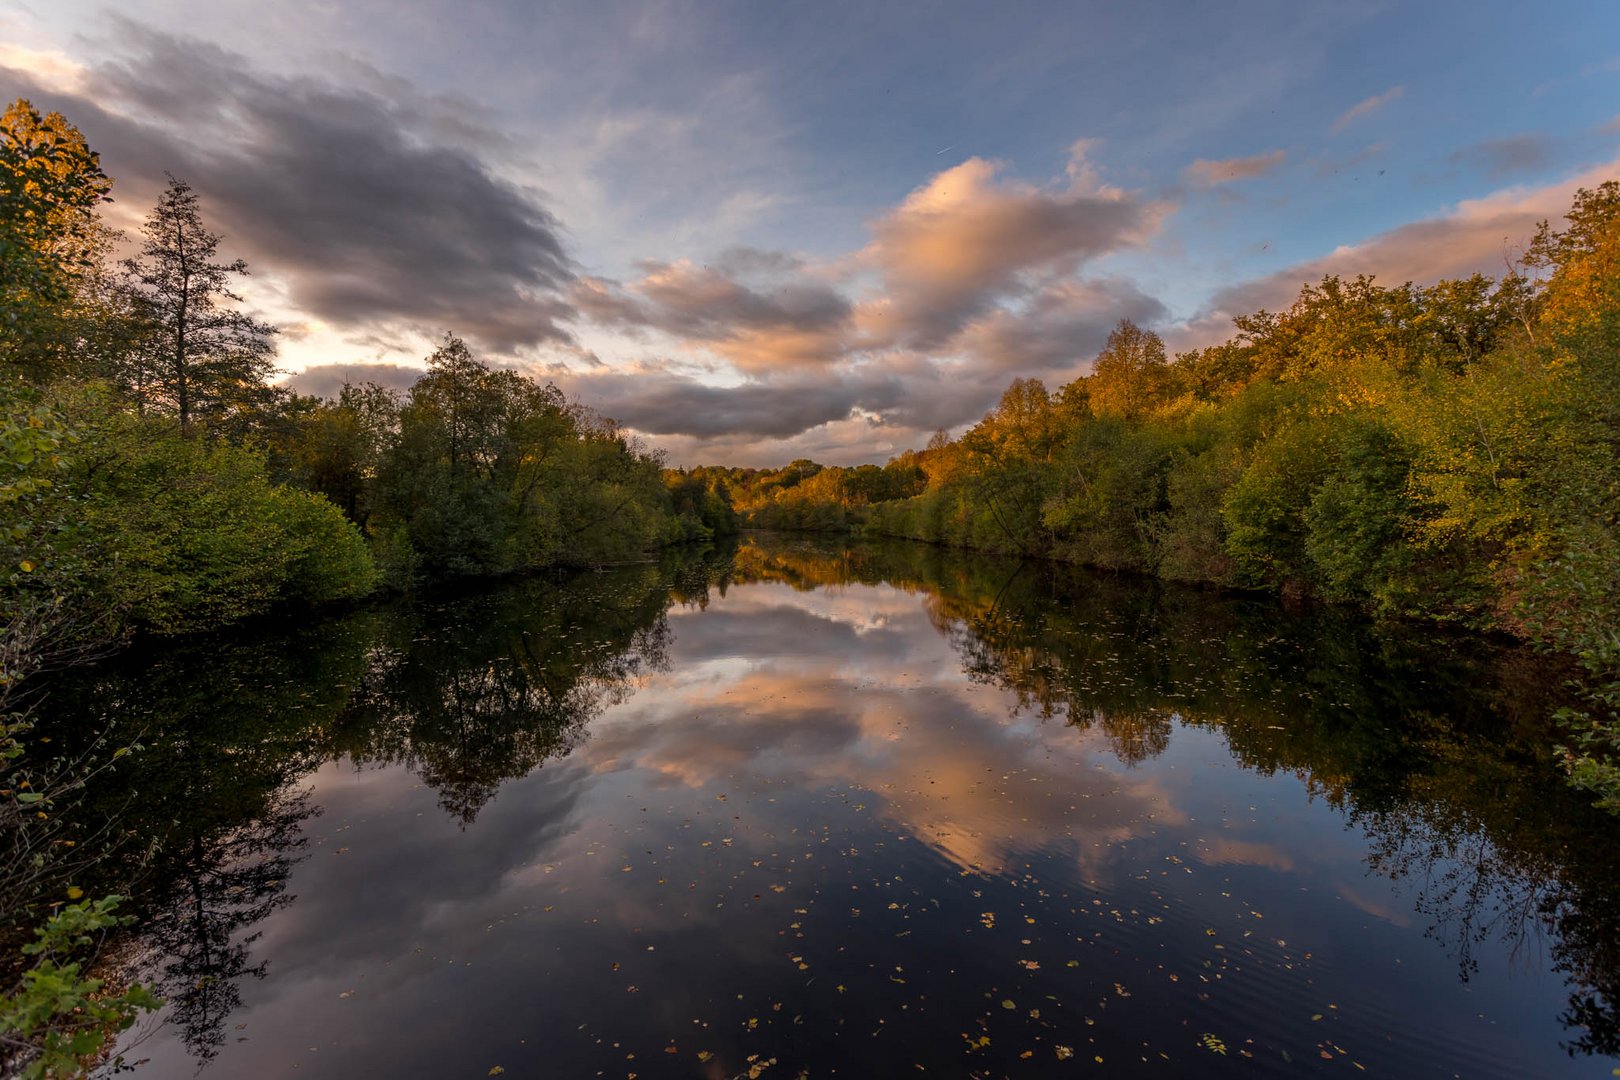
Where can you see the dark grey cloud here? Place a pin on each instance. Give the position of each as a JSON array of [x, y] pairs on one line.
[[326, 380], [1511, 156], [666, 403], [374, 210]]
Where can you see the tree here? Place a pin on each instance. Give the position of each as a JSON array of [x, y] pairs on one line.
[[204, 354], [1130, 373], [50, 185]]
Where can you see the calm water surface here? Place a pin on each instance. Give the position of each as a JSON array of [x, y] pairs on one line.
[[854, 811]]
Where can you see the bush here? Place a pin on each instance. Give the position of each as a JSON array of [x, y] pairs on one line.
[[64, 1017]]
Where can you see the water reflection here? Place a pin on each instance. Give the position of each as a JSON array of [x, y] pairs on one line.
[[472, 694], [866, 808]]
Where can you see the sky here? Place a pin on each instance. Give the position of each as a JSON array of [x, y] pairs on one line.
[[753, 232]]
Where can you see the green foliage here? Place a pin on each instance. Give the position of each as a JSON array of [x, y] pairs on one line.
[[1112, 506], [487, 472], [1357, 519], [178, 534], [1265, 508], [50, 185], [328, 556], [139, 525], [33, 439], [68, 1016], [701, 502]]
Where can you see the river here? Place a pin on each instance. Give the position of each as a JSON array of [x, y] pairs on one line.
[[810, 808]]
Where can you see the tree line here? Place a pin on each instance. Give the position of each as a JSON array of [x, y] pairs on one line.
[[1447, 452]]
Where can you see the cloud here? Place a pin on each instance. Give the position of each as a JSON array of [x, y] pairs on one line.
[[1206, 173], [656, 401], [367, 210], [971, 280], [377, 215], [1060, 328], [1476, 236], [50, 68], [873, 403], [1610, 128], [1367, 107], [967, 238], [1501, 158], [787, 320], [327, 380]]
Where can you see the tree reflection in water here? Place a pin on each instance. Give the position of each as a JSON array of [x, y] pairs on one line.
[[1429, 748]]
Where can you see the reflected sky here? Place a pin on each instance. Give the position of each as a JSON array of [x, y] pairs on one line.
[[854, 814]]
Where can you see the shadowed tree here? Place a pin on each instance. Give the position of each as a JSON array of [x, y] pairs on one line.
[[204, 354]]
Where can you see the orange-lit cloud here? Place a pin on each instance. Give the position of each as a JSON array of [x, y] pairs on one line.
[[1366, 107], [1484, 235], [1206, 172], [968, 237]]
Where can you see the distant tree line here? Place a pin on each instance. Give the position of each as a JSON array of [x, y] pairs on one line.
[[1447, 452]]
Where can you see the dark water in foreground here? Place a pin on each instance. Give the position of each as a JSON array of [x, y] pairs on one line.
[[866, 812]]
